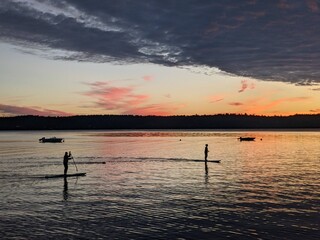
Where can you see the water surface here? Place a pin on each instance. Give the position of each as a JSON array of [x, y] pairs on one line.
[[148, 188]]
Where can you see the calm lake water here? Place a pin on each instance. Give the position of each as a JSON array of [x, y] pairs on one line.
[[148, 188]]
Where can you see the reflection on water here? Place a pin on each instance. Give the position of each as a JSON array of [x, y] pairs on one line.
[[148, 188], [206, 172], [65, 189]]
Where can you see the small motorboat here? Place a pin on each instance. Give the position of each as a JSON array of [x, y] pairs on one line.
[[246, 139], [51, 140]]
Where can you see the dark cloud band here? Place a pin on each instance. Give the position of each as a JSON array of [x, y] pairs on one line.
[[269, 40]]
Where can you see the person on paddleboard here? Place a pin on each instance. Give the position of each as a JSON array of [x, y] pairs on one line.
[[66, 158], [206, 151]]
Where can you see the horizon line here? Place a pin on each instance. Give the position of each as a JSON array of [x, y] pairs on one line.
[[164, 116]]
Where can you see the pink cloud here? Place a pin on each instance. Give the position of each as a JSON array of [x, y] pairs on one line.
[[216, 98], [17, 110], [245, 84], [236, 104], [111, 97], [148, 78], [126, 101], [261, 105], [265, 106], [137, 100], [156, 109], [116, 93], [283, 100]]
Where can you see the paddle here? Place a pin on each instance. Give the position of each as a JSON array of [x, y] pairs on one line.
[[74, 162]]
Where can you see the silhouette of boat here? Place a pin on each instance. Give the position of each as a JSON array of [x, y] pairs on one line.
[[246, 139], [51, 140]]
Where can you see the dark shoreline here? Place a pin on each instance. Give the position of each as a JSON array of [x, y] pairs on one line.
[[132, 122]]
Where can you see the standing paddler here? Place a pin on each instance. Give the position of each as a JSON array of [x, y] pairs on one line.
[[66, 158], [206, 151]]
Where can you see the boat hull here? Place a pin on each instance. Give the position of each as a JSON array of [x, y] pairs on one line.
[[246, 139], [51, 140]]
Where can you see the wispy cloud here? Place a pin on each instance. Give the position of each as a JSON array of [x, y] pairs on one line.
[[280, 101], [236, 104], [263, 105], [148, 78], [18, 110], [268, 40], [111, 97], [126, 101], [245, 84], [156, 109], [216, 98], [315, 110]]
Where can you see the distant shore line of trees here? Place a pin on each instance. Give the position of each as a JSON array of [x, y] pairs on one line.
[[130, 122]]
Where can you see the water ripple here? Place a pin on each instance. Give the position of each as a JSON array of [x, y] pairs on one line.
[[149, 190]]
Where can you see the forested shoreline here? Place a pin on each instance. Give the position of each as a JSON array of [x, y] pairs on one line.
[[219, 121]]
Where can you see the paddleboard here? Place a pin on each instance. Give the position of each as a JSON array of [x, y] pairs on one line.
[[91, 162], [195, 160], [212, 161], [68, 175]]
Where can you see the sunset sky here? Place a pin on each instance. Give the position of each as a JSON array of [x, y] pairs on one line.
[[152, 57]]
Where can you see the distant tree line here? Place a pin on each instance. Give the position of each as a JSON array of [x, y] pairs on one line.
[[220, 121]]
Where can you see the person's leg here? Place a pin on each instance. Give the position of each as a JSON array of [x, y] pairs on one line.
[[65, 169]]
